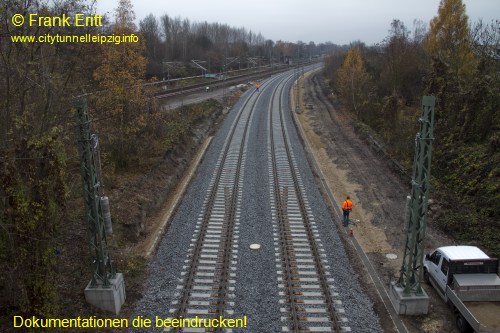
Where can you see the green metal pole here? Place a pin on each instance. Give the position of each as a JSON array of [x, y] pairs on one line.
[[101, 264], [412, 268]]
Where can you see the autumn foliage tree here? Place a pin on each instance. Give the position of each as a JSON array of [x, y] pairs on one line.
[[463, 77], [460, 66], [352, 81], [37, 82], [402, 64], [121, 103], [449, 38]]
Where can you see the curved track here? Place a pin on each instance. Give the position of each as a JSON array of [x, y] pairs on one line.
[[208, 278], [309, 297], [254, 186]]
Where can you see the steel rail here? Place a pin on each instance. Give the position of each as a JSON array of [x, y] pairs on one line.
[[207, 214], [225, 252], [297, 315], [217, 83]]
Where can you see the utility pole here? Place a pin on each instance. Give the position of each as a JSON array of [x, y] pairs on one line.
[[297, 75], [106, 289], [407, 294]]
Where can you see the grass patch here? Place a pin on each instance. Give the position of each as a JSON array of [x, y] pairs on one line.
[[467, 181]]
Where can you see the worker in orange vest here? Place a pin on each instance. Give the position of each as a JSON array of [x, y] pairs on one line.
[[346, 208], [257, 86]]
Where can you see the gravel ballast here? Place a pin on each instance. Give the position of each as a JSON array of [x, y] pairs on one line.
[[256, 294]]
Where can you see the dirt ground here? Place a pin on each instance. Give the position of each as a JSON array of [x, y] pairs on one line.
[[356, 168]]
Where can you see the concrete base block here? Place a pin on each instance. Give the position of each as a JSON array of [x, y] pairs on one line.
[[109, 298], [408, 305]]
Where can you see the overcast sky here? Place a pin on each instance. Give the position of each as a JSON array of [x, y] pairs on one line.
[[338, 21]]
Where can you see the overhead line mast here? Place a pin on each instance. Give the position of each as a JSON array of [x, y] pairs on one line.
[[106, 289], [407, 294]]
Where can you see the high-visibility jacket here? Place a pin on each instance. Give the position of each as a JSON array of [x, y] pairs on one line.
[[347, 205]]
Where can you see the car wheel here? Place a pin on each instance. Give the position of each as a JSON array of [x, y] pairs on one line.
[[462, 324], [426, 276]]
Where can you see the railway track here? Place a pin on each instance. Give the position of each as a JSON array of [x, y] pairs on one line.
[[244, 78], [305, 297], [208, 279], [309, 302]]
